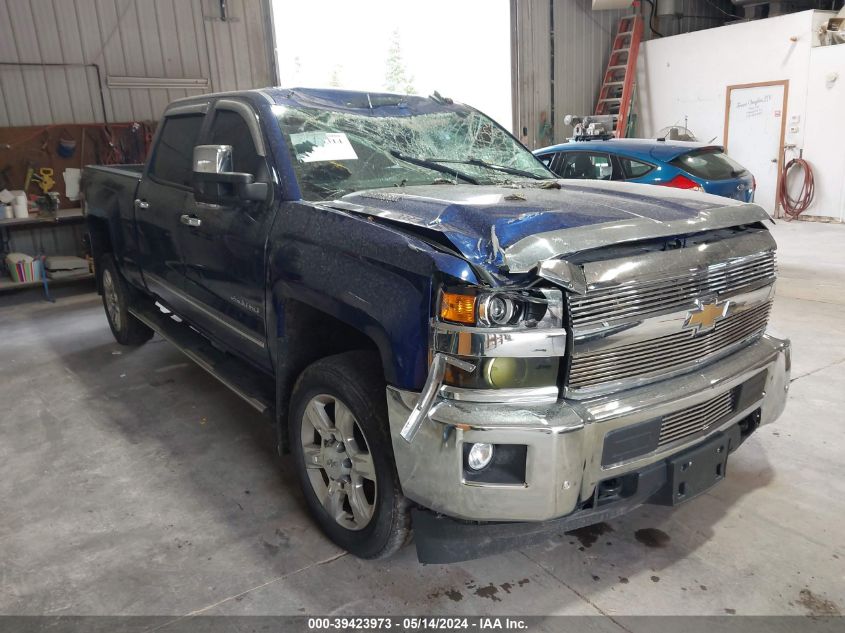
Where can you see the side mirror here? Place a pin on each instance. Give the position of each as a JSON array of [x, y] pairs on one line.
[[212, 159], [216, 183]]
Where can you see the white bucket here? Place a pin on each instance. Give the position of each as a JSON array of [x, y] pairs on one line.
[[72, 177], [21, 207]]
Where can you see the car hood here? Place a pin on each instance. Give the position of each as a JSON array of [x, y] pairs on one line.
[[513, 228]]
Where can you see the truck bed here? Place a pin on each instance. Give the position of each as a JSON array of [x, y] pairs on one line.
[[131, 170], [109, 198], [109, 190]]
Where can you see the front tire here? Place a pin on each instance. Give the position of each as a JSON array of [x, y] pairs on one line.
[[341, 445], [127, 330]]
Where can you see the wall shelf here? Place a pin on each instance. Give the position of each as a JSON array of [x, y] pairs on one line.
[[6, 284], [63, 216]]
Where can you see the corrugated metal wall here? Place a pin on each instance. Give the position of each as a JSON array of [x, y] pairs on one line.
[[531, 68], [578, 39], [583, 38], [170, 39], [63, 239]]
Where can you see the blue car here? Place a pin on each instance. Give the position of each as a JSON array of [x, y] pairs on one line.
[[681, 164]]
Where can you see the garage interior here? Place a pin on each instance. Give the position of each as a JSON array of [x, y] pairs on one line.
[[134, 483]]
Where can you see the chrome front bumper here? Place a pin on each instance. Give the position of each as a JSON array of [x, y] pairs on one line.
[[565, 439]]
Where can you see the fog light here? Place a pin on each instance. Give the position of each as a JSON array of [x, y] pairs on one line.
[[479, 456]]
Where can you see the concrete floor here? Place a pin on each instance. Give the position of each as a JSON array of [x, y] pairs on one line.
[[132, 483]]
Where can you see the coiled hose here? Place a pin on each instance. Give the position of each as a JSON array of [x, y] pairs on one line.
[[793, 207]]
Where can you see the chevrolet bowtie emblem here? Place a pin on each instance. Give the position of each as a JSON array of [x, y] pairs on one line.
[[703, 318]]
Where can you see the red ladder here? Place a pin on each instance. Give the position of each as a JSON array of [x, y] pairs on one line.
[[617, 89]]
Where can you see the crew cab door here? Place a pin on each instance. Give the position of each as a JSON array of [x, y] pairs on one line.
[[161, 198], [223, 245]]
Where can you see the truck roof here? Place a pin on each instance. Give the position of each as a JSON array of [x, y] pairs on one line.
[[359, 101]]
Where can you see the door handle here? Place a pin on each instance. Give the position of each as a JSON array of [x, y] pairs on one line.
[[141, 204], [189, 220]]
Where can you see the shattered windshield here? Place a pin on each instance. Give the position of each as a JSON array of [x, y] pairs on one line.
[[335, 153]]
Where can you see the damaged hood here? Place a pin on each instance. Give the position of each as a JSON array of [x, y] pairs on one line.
[[515, 228]]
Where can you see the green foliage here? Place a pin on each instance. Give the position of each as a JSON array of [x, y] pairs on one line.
[[396, 77]]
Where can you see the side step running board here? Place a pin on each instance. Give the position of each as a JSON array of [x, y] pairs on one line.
[[250, 384]]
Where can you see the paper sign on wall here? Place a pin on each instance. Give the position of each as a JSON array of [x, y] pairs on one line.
[[753, 135], [311, 147]]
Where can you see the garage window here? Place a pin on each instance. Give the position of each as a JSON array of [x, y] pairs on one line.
[[174, 154]]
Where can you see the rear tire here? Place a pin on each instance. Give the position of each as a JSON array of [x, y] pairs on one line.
[[341, 445], [117, 295]]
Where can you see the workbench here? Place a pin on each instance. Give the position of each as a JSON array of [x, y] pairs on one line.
[[62, 216]]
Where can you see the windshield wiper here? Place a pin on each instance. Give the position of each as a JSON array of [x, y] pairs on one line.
[[483, 163], [423, 162]]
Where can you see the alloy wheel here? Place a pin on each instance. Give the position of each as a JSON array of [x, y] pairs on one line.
[[338, 462], [112, 303]]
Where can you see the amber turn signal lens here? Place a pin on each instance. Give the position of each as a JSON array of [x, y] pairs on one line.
[[457, 308]]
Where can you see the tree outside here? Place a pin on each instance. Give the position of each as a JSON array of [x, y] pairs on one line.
[[396, 77], [357, 58]]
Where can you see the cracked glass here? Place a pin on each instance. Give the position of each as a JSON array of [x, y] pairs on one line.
[[339, 152]]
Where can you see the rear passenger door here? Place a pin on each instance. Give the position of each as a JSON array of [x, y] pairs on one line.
[[223, 245], [161, 198], [585, 165]]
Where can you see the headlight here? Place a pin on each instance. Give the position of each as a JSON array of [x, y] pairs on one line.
[[513, 337], [498, 308]]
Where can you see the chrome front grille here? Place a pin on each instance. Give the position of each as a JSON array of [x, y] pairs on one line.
[[695, 419], [638, 299], [666, 353], [634, 324]]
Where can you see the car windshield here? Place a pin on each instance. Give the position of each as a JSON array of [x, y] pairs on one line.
[[710, 164], [338, 152]]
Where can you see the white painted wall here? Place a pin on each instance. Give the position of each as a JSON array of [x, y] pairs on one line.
[[687, 76], [824, 130]]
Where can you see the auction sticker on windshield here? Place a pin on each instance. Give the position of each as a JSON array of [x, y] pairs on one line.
[[312, 147]]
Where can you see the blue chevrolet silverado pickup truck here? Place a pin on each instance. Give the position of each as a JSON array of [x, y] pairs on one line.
[[446, 337]]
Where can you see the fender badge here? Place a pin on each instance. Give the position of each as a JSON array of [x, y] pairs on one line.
[[703, 319], [244, 304]]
